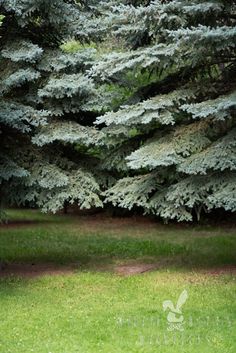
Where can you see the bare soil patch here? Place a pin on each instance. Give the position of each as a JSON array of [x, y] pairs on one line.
[[224, 270], [23, 223], [134, 269], [38, 270], [35, 270]]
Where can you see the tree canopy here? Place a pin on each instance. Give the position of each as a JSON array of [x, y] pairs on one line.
[[43, 90], [123, 102]]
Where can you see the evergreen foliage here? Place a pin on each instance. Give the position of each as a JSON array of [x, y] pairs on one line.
[[131, 102], [42, 87], [177, 132]]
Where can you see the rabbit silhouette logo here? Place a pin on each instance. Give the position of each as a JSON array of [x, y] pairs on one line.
[[175, 317]]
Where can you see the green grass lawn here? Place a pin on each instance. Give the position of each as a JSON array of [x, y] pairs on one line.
[[96, 310]]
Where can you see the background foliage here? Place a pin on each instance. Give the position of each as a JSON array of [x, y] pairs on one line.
[[131, 103]]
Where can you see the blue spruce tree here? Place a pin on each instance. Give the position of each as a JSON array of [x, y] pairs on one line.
[[43, 97], [173, 140]]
